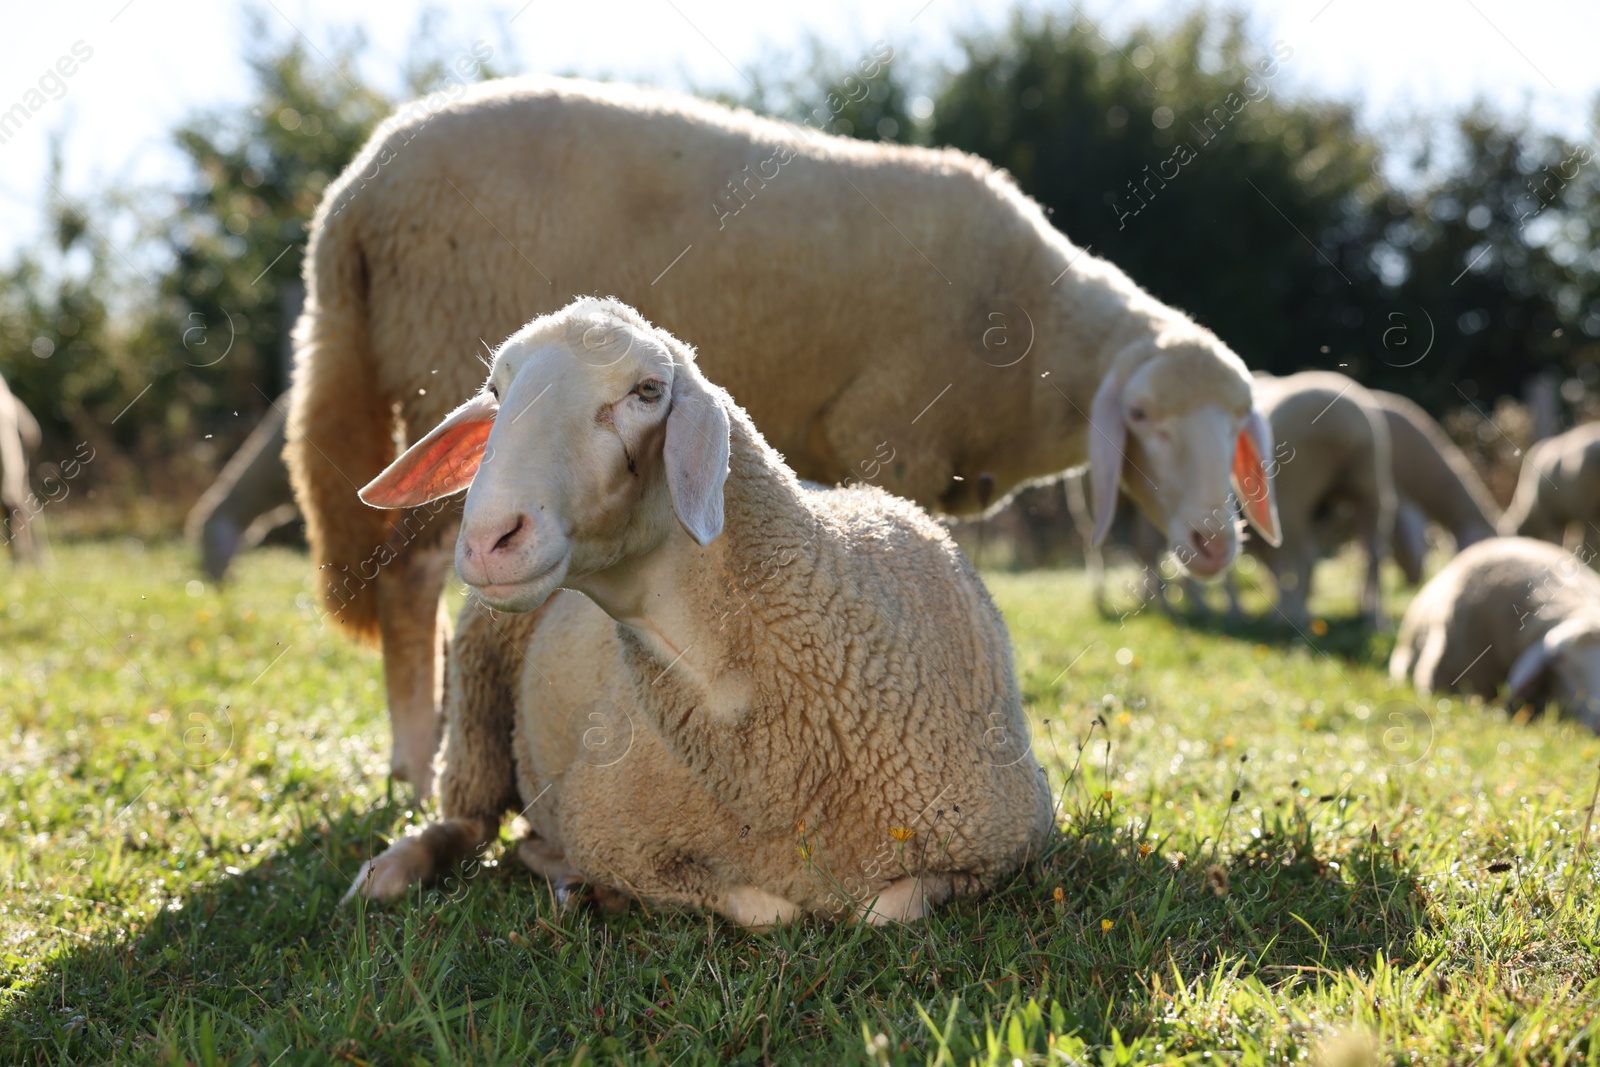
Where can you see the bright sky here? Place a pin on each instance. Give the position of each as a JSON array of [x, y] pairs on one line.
[[154, 62]]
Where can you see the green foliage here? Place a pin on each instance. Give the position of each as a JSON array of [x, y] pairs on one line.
[[1256, 856], [1498, 248], [1179, 155], [238, 242]]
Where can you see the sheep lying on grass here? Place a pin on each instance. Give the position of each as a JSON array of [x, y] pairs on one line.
[[817, 691], [896, 315], [1559, 486], [249, 499], [19, 443], [1508, 610]]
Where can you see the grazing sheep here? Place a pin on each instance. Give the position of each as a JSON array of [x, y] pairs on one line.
[[1433, 480], [19, 443], [250, 498], [1333, 460], [1508, 610], [889, 314], [1337, 454], [813, 679], [1559, 486]]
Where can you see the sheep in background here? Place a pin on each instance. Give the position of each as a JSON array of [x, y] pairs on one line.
[[1559, 486], [1508, 610], [813, 678], [19, 444], [249, 499], [1433, 480], [896, 315]]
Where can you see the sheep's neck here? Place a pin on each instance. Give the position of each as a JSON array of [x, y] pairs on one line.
[[663, 597], [696, 624]]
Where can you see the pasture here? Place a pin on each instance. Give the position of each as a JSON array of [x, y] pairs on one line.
[[1267, 854]]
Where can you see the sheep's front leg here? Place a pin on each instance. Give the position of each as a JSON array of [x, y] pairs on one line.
[[907, 900], [419, 858], [413, 634]]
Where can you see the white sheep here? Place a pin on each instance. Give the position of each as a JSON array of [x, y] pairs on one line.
[[897, 315], [1433, 480], [1559, 487], [818, 693], [1510, 611], [1333, 460], [249, 499], [19, 443]]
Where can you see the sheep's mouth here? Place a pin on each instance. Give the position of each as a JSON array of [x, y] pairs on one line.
[[524, 594]]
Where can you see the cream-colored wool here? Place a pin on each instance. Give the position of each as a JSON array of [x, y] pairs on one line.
[[897, 315], [1507, 611], [19, 443], [1559, 486], [1339, 455], [813, 712], [1433, 481]]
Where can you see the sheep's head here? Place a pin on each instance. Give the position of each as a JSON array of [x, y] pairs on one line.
[[1175, 423], [1563, 666], [593, 438]]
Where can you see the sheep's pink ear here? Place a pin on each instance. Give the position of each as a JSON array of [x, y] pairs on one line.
[[441, 463], [696, 455], [1251, 479], [1107, 436]]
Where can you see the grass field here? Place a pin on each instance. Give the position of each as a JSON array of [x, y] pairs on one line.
[[1267, 854]]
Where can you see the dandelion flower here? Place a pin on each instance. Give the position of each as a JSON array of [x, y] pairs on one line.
[[1061, 898], [1144, 850], [901, 833], [1106, 925]]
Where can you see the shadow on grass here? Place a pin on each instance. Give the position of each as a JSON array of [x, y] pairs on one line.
[[265, 967], [1348, 637], [1122, 927], [224, 948]]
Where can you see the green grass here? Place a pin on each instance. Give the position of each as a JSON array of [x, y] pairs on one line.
[[1263, 847]]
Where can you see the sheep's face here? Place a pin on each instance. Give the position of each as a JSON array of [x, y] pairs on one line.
[[1564, 666], [589, 443], [1184, 432]]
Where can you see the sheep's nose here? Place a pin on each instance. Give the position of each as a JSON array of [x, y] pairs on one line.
[[1209, 554], [496, 539]]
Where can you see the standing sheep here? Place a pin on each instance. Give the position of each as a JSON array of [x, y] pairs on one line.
[[895, 315], [1433, 480], [1338, 455], [250, 497], [810, 679], [1559, 486], [19, 443], [1509, 610]]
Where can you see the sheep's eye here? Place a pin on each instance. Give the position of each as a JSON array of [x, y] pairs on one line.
[[648, 391], [493, 390], [1136, 414]]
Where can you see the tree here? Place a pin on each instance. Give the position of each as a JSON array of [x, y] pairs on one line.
[[1177, 155]]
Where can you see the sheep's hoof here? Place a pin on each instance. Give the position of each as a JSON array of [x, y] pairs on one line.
[[574, 893], [386, 877], [570, 893]]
